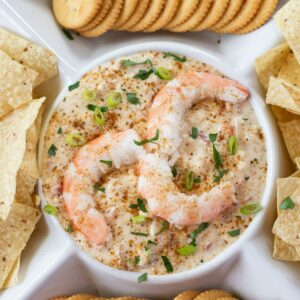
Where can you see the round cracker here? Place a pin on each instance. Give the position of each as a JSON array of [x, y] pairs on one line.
[[165, 17], [127, 11], [212, 295], [136, 16], [187, 295], [228, 298], [233, 8], [244, 16], [264, 13], [81, 297], [60, 298], [73, 14], [198, 15], [103, 11], [184, 11], [107, 22], [151, 15], [214, 15]]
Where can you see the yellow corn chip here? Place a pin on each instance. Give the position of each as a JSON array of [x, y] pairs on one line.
[[290, 71], [284, 251], [12, 278]]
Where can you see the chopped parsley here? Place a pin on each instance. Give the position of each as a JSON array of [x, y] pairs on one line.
[[133, 206], [50, 210], [135, 261], [68, 34], [194, 133], [139, 233], [74, 86], [70, 228], [141, 205], [174, 171], [167, 264], [52, 150], [164, 226], [98, 187], [106, 162], [59, 131], [128, 63], [287, 203], [143, 142], [132, 98], [93, 107], [175, 57], [143, 74], [234, 233], [142, 278], [197, 231]]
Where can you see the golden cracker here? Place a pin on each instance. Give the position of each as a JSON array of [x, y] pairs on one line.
[[244, 16], [127, 298], [60, 298], [187, 295], [185, 10], [264, 13], [165, 17], [228, 298], [151, 15], [199, 14], [214, 15], [233, 8], [137, 15], [127, 11], [212, 295], [103, 11], [73, 14], [81, 297], [108, 21]]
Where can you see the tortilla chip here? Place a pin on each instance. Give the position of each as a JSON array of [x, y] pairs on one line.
[[28, 173], [297, 161], [291, 135], [269, 64], [296, 174], [42, 60], [288, 21], [290, 71], [16, 83], [279, 93], [14, 234], [284, 251], [12, 278], [13, 130], [282, 115]]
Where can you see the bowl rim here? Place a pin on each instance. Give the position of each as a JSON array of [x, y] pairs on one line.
[[265, 119]]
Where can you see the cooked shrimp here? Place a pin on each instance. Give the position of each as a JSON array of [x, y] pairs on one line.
[[86, 169], [176, 97], [166, 201]]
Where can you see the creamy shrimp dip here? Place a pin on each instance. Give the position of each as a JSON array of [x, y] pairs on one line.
[[221, 142]]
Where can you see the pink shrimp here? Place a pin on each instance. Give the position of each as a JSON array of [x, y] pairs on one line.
[[86, 169]]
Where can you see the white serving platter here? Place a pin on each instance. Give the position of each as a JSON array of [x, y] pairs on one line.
[[49, 265]]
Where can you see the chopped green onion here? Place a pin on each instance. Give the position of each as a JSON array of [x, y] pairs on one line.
[[232, 145], [195, 133], [197, 179], [143, 142], [217, 157], [213, 137], [52, 150], [92, 107], [98, 187], [106, 162], [187, 250], [234, 233], [138, 219], [167, 264], [74, 86], [70, 228], [99, 117], [128, 63], [143, 74], [174, 171], [89, 95], [175, 57], [142, 278], [114, 99], [250, 209], [75, 139], [189, 180], [164, 226], [133, 206], [68, 34], [50, 210], [164, 73], [59, 131], [132, 98], [149, 242], [197, 231], [287, 203], [139, 233], [220, 175], [141, 205], [134, 261]]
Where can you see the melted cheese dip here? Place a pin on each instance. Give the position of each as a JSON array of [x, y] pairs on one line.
[[246, 169]]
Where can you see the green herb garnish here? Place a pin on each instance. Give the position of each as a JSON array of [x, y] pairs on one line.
[[234, 233], [189, 180], [92, 107], [287, 203], [70, 228], [133, 206], [174, 171], [194, 133], [186, 250], [175, 57], [106, 162], [250, 209], [143, 74], [232, 145], [74, 86], [164, 226], [132, 98], [50, 210], [163, 73], [89, 95], [134, 261], [99, 116], [114, 99], [139, 233], [59, 131], [197, 231], [68, 34], [143, 142], [75, 139], [221, 173], [128, 63], [98, 187], [141, 205], [142, 278], [52, 150], [167, 264], [138, 219]]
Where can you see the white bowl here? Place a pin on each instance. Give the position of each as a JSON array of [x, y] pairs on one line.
[[125, 282]]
